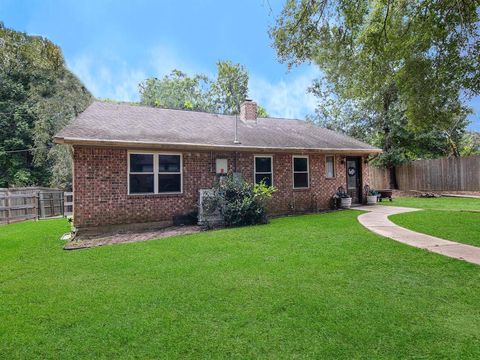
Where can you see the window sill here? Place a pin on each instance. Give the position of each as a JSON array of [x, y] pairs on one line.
[[149, 195], [301, 189], [330, 178]]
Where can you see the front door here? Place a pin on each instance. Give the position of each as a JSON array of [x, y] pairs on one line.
[[354, 181]]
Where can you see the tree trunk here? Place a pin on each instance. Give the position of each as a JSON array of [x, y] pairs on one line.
[[388, 98], [453, 147], [392, 178]]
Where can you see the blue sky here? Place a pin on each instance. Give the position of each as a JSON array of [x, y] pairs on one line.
[[113, 45]]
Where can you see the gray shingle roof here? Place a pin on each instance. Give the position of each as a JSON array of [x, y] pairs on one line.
[[130, 125]]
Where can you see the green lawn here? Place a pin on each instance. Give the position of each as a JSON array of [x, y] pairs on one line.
[[451, 218], [316, 286], [463, 227], [441, 203]]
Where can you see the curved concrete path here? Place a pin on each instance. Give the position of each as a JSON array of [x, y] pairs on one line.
[[376, 220]]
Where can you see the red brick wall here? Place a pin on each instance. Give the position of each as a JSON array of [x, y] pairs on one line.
[[101, 196]]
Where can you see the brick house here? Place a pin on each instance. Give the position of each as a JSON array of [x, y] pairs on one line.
[[137, 164]]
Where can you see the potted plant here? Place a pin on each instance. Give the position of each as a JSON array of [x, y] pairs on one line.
[[345, 199], [372, 197]]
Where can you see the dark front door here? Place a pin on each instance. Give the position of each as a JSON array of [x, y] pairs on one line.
[[354, 181]]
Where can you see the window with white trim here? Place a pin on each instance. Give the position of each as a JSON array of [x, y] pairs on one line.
[[263, 170], [169, 173], [301, 175], [141, 174], [154, 173], [330, 166]]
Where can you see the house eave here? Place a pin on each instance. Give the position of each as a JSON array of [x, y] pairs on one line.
[[209, 147]]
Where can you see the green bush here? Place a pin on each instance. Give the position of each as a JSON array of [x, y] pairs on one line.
[[239, 202]]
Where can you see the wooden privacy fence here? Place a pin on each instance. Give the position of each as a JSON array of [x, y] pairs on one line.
[[68, 203], [19, 204], [379, 178], [443, 174], [17, 207]]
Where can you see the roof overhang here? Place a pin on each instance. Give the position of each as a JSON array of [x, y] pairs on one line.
[[207, 147]]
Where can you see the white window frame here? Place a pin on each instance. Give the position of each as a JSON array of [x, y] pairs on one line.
[[300, 172], [334, 167], [140, 173], [156, 172], [261, 172]]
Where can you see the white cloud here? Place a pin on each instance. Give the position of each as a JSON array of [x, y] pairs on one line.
[[288, 97], [163, 60], [108, 78]]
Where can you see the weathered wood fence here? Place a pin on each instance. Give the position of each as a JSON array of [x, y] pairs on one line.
[[17, 207], [443, 174], [17, 204], [379, 178], [68, 203]]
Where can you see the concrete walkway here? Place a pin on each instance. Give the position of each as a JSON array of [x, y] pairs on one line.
[[376, 220]]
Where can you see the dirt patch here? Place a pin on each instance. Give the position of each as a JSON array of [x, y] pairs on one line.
[[82, 242]]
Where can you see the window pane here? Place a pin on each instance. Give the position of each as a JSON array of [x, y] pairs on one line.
[[141, 163], [141, 183], [263, 164], [329, 167], [300, 180], [267, 178], [300, 164], [169, 183], [169, 163]]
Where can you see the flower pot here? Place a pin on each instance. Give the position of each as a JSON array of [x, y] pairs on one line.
[[371, 199], [346, 202]]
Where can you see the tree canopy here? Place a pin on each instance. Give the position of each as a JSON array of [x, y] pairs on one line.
[[38, 96], [387, 65], [178, 90]]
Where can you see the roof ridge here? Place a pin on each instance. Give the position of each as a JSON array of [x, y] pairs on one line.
[[139, 105]]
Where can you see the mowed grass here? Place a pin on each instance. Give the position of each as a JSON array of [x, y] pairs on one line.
[[463, 227], [451, 218], [316, 286], [441, 203]]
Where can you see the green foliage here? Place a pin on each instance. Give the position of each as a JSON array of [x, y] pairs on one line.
[[230, 88], [198, 92], [177, 91], [38, 96], [239, 202], [372, 192], [392, 70], [262, 112], [341, 193], [470, 144]]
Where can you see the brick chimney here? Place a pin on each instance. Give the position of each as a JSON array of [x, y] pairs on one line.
[[248, 110]]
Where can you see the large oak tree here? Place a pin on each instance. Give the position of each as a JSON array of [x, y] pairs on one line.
[[390, 65]]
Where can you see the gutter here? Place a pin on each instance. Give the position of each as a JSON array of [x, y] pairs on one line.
[[194, 146]]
